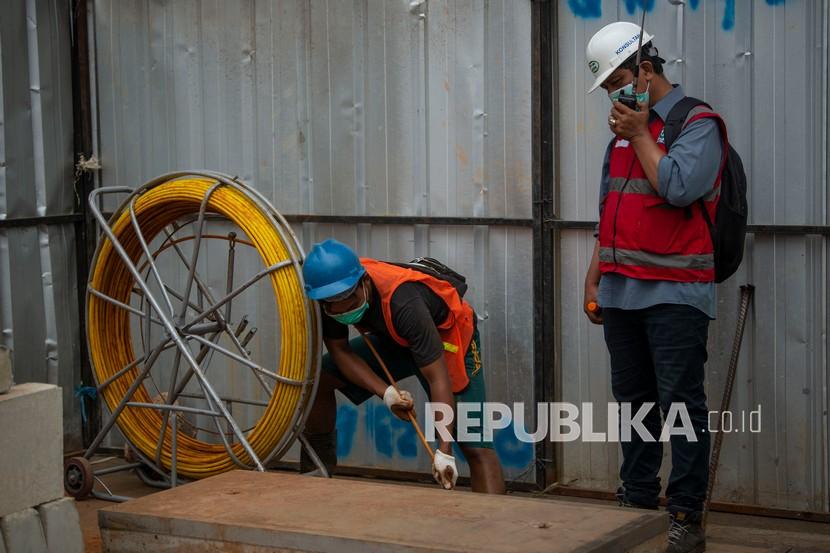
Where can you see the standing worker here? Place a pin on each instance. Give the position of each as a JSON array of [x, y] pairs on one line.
[[652, 271], [420, 326]]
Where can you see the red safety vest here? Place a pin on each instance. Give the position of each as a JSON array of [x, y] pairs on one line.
[[641, 235], [456, 331]]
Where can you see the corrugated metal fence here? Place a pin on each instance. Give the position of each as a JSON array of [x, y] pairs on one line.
[[349, 108], [38, 291]]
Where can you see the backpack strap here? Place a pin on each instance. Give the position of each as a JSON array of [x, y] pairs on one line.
[[677, 117]]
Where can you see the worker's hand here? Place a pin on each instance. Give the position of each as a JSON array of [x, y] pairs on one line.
[[400, 404], [629, 124], [443, 469], [591, 293]]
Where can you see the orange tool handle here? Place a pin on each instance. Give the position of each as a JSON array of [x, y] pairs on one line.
[[395, 385]]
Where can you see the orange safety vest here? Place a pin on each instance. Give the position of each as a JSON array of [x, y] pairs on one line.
[[456, 331]]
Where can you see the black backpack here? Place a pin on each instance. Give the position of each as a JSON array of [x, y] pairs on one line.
[[433, 267], [729, 228]]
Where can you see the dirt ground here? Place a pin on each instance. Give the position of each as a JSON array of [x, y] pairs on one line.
[[726, 534]]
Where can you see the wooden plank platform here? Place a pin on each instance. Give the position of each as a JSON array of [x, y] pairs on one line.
[[250, 512]]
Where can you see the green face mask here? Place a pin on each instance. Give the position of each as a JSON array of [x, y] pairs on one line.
[[642, 97], [352, 317]]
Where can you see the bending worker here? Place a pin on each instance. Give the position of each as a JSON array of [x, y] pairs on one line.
[[420, 325], [652, 271]]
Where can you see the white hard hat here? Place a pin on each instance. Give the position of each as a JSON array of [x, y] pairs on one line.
[[610, 47]]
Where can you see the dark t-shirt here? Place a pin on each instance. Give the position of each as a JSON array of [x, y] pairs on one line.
[[416, 312]]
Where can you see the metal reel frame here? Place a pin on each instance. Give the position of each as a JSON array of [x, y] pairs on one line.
[[211, 321]]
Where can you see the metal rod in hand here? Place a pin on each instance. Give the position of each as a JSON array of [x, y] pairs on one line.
[[395, 385], [746, 297]]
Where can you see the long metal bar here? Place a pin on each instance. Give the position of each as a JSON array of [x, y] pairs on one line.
[[229, 279], [149, 254], [255, 402], [119, 468], [197, 246], [171, 408], [544, 150], [820, 230], [173, 332], [174, 374], [173, 451], [163, 346], [203, 352], [747, 291], [314, 457], [109, 497], [175, 294], [408, 220], [218, 314], [122, 305], [66, 219], [247, 362], [214, 307], [223, 436]]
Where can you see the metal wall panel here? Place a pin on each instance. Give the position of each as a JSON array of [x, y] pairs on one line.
[[743, 57], [365, 107], [38, 305]]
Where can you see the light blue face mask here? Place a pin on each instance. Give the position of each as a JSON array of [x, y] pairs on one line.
[[642, 97], [352, 317]]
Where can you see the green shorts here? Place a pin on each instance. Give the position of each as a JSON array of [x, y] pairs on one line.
[[401, 364]]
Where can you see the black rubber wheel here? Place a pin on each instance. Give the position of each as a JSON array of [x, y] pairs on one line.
[[78, 477]]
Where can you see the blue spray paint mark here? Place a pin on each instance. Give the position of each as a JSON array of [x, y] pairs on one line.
[[729, 16], [693, 4], [346, 426], [631, 6], [587, 9], [775, 2], [390, 434], [512, 453]]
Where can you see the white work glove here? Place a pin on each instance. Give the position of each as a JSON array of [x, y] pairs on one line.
[[444, 470], [399, 403]]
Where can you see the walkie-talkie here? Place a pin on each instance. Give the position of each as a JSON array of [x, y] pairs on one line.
[[630, 100]]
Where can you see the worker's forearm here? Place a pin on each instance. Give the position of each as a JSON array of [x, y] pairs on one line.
[[649, 154], [593, 275], [356, 371], [440, 391]]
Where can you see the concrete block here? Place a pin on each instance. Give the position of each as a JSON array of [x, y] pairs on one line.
[[23, 532], [6, 374], [61, 526], [31, 446]]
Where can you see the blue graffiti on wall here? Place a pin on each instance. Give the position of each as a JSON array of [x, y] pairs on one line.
[[512, 453], [392, 437], [632, 6], [346, 427], [586, 8], [729, 16], [592, 9]]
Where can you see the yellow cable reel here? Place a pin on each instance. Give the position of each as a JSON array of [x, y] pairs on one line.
[[116, 278]]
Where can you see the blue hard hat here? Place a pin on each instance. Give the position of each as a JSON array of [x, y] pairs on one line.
[[331, 268]]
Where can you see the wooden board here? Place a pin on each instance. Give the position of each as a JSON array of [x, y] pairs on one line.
[[254, 512]]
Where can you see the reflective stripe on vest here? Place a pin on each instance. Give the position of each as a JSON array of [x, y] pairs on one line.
[[645, 259]]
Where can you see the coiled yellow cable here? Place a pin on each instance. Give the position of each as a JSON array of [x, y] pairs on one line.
[[109, 335]]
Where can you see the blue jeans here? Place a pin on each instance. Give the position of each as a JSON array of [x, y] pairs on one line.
[[657, 355]]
